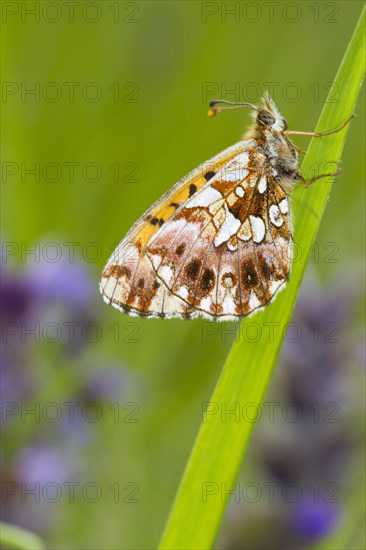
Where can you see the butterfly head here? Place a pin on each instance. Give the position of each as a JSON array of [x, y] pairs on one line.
[[266, 117], [269, 116]]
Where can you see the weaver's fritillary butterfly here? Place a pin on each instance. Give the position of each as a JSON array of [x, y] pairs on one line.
[[218, 244]]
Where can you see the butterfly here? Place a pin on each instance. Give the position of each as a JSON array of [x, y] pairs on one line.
[[219, 243]]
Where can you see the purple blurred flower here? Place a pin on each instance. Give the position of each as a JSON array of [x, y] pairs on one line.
[[43, 464], [41, 473], [63, 296], [313, 520], [14, 385], [16, 299], [107, 384], [16, 295], [68, 282], [75, 428], [60, 294]]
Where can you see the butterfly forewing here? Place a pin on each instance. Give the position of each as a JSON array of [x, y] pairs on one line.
[[129, 281]]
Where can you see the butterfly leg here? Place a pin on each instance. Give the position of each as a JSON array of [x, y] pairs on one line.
[[320, 134], [307, 184], [298, 149]]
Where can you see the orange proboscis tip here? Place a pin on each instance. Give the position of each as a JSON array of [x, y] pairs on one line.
[[212, 112]]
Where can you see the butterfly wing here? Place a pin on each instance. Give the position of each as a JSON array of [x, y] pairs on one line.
[[227, 251], [129, 281]]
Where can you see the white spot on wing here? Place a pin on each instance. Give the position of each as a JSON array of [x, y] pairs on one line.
[[228, 305], [284, 206], [258, 228], [253, 301], [262, 185], [228, 228], [275, 215], [274, 286], [239, 191], [173, 307], [242, 159], [205, 303], [183, 292], [155, 260], [166, 273], [204, 198]]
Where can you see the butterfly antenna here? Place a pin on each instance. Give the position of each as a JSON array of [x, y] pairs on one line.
[[228, 106]]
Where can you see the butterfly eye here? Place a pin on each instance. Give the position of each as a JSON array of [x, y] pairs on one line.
[[284, 122], [264, 117]]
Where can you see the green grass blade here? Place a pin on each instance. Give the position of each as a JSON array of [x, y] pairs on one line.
[[220, 446], [19, 539]]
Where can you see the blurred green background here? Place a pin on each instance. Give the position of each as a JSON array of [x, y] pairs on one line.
[[117, 116]]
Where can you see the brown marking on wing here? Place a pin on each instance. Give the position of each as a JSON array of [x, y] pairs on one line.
[[117, 271]]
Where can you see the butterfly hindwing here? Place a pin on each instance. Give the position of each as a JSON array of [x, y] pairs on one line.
[[227, 251]]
